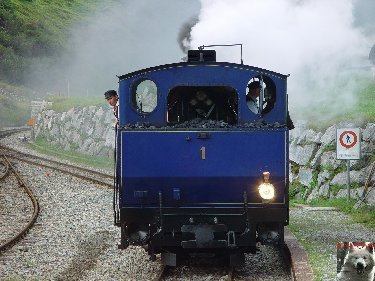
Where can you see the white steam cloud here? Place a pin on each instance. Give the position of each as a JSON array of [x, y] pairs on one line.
[[123, 36], [313, 40], [323, 44]]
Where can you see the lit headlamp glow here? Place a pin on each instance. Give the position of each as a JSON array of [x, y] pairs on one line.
[[266, 189]]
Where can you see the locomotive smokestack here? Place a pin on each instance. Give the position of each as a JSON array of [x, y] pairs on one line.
[[201, 55]]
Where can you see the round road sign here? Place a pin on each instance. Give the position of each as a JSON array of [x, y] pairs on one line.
[[348, 139]]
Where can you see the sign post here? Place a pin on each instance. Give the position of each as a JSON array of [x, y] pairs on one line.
[[348, 147]]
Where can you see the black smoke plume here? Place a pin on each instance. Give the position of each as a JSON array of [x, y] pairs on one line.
[[184, 35]]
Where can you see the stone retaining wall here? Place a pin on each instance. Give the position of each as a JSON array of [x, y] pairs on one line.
[[88, 130], [315, 171]]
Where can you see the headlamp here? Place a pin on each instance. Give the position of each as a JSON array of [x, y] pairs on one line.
[[266, 189]]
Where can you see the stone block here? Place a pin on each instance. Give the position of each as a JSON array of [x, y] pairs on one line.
[[328, 158], [305, 176], [368, 134], [329, 136], [322, 177], [302, 154], [324, 190]]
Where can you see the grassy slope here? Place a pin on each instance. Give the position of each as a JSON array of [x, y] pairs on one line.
[[366, 106], [42, 146], [53, 18], [61, 104], [36, 30], [32, 30], [14, 105], [361, 112]]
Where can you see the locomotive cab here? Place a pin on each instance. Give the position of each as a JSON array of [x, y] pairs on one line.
[[197, 168]]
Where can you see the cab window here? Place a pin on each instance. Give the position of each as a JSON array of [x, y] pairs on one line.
[[186, 103], [144, 96], [260, 94]]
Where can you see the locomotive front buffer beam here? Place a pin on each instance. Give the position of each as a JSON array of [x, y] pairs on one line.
[[185, 232], [196, 235]]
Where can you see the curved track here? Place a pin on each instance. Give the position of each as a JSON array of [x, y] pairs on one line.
[[10, 131], [76, 171], [5, 168], [35, 204]]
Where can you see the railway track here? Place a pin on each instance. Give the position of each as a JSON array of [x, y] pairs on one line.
[[73, 230], [10, 131], [6, 167], [76, 171], [257, 267], [27, 189]]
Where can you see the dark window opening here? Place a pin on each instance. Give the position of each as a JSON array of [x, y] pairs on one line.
[[261, 94], [218, 103]]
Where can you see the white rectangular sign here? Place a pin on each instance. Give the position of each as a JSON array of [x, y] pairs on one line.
[[348, 143]]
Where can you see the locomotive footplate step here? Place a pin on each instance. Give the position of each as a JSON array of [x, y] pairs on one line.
[[168, 259]]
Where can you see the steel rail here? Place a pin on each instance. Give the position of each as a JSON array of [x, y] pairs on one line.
[[35, 203], [7, 132], [21, 156], [6, 168], [104, 175], [108, 185]]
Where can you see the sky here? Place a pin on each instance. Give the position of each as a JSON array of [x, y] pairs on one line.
[[322, 44]]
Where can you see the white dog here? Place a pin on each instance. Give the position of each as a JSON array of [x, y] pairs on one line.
[[359, 265]]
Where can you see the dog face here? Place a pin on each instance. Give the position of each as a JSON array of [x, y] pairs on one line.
[[360, 260]]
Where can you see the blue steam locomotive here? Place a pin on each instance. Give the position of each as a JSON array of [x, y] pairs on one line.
[[202, 158]]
